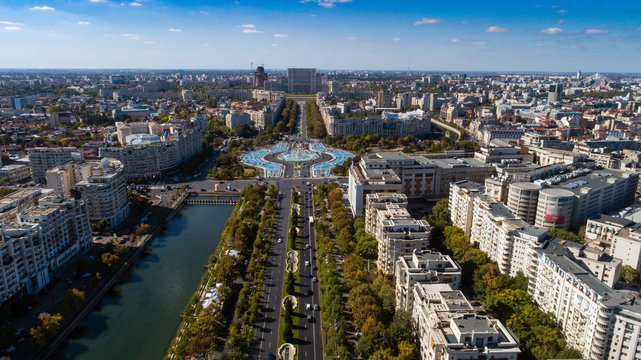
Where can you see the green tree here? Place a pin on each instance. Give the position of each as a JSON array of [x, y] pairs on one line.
[[143, 229], [290, 283], [401, 327], [565, 235], [373, 339], [48, 325], [72, 299], [628, 274], [109, 259]]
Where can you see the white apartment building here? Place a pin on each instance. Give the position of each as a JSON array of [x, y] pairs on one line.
[[14, 173], [238, 118], [508, 241], [132, 128], [423, 267], [449, 328], [397, 233], [104, 189], [589, 313], [43, 159], [155, 158], [379, 201], [23, 265], [64, 227], [461, 203]]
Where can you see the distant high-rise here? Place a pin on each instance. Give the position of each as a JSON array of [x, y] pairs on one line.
[[259, 77], [578, 74], [384, 99], [555, 93], [301, 80]]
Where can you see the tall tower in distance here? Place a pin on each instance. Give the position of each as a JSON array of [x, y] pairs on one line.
[[259, 77], [578, 74]]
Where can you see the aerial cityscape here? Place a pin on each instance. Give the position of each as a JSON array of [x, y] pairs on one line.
[[320, 179]]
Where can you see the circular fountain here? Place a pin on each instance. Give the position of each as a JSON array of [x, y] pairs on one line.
[[298, 155]]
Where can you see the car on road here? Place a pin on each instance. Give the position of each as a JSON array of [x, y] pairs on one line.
[[314, 279], [309, 275], [310, 318], [280, 240], [308, 306], [316, 307], [306, 263], [307, 246]]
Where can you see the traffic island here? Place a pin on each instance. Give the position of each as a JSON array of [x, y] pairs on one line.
[[293, 300], [287, 351], [292, 261]]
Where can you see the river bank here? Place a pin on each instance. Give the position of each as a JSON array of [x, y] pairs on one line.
[[140, 321]]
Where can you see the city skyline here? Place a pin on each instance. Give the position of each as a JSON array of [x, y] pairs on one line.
[[326, 34]]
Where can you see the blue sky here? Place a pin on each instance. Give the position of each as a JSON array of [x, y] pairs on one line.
[[602, 36]]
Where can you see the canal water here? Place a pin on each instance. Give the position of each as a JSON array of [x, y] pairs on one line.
[[140, 322]]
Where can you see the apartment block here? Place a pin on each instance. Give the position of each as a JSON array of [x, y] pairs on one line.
[[594, 318], [23, 264], [414, 175], [64, 227], [104, 188], [396, 231], [14, 173], [43, 159], [156, 157], [423, 267], [449, 328], [461, 203]]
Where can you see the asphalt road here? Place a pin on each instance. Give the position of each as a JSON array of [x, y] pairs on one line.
[[310, 341]]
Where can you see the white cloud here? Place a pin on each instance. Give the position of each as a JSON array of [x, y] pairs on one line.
[[131, 36], [135, 4], [426, 21], [248, 26], [479, 43], [97, 1], [562, 11], [204, 12], [252, 31], [10, 23], [148, 42], [12, 28], [539, 44], [274, 45], [43, 8], [552, 31], [350, 38], [206, 44], [595, 31], [497, 29], [396, 39], [327, 3], [464, 22], [280, 35], [457, 41], [83, 22], [561, 21], [174, 30]]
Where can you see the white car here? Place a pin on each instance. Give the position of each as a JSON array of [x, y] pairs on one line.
[[280, 240], [306, 263], [308, 306]]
